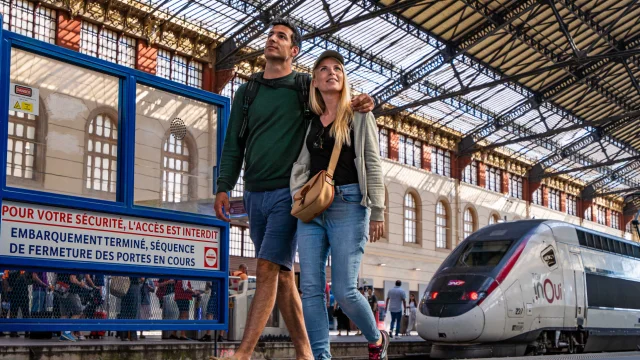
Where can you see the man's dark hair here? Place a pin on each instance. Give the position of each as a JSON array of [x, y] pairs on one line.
[[398, 283], [297, 37]]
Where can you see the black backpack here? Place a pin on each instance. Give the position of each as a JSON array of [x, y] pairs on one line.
[[301, 87]]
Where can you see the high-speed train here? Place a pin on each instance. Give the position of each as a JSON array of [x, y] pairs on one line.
[[534, 287]]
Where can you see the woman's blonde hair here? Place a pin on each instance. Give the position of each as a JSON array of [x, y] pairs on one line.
[[344, 114]]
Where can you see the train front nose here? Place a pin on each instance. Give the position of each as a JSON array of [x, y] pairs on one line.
[[449, 310], [461, 328]]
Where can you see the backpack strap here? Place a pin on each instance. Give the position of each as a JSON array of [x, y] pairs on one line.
[[250, 94], [303, 84], [301, 87]]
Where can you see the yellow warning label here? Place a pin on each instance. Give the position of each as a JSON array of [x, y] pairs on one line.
[[27, 107], [17, 105]]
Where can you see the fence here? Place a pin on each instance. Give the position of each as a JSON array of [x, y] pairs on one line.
[[107, 196]]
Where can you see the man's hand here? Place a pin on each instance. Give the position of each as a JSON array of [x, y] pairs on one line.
[[362, 103], [376, 229], [222, 199]]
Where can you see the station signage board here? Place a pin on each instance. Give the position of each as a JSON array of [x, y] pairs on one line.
[[25, 99], [45, 232]]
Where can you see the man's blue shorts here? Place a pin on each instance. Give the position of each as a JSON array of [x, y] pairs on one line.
[[272, 228]]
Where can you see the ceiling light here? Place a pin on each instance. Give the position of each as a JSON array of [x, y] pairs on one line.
[[382, 264], [417, 269]]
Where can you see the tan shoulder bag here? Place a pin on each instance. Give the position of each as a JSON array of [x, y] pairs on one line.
[[317, 194]]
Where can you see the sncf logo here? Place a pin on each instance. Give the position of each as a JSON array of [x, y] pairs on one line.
[[455, 283]]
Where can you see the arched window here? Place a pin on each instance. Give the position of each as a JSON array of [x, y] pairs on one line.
[[469, 225], [176, 169], [410, 219], [23, 147], [102, 154], [493, 219], [587, 213], [441, 225]]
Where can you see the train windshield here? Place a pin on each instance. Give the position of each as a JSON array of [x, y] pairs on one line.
[[483, 253]]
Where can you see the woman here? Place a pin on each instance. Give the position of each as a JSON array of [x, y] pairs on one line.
[[344, 227], [413, 308]]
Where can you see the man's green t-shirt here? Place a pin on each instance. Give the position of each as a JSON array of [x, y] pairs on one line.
[[276, 132]]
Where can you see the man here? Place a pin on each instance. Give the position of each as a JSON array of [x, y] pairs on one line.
[[373, 302], [241, 272], [397, 305], [269, 143]]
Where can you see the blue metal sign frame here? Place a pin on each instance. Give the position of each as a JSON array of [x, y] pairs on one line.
[[124, 203]]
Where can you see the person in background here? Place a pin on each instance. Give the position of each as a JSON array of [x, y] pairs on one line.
[[130, 306], [183, 297], [95, 299], [212, 309], [242, 274], [343, 319], [413, 311], [68, 288], [328, 301], [373, 302], [397, 298], [39, 294], [148, 287], [16, 284]]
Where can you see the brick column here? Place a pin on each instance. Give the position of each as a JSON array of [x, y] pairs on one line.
[[147, 57], [207, 78], [584, 205], [461, 163], [504, 182], [607, 217], [545, 196], [222, 77], [394, 143], [426, 157], [531, 188], [482, 174], [68, 33], [563, 202], [625, 219]]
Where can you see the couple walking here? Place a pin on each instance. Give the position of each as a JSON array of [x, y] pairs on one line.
[[284, 126]]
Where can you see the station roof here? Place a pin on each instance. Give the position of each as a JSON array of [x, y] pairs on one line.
[[552, 81]]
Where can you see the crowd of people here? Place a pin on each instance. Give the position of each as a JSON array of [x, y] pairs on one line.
[[48, 295], [403, 314]]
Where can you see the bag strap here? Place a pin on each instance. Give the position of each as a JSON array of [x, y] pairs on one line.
[[250, 94], [335, 154]]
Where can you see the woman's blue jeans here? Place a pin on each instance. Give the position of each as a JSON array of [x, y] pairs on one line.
[[343, 230]]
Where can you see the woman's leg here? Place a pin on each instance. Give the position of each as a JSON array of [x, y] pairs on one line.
[[347, 224], [313, 249]]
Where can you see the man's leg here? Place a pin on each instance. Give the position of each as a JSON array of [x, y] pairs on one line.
[[398, 317], [261, 307], [290, 306]]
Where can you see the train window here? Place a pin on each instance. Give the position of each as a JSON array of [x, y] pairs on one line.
[[616, 247], [590, 240], [597, 242], [629, 249], [582, 238], [611, 247], [636, 251], [483, 253]]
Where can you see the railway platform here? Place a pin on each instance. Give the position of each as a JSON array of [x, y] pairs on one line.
[[155, 348]]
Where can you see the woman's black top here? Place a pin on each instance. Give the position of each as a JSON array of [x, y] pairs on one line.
[[320, 145]]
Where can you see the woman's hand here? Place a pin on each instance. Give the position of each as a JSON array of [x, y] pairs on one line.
[[376, 229]]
